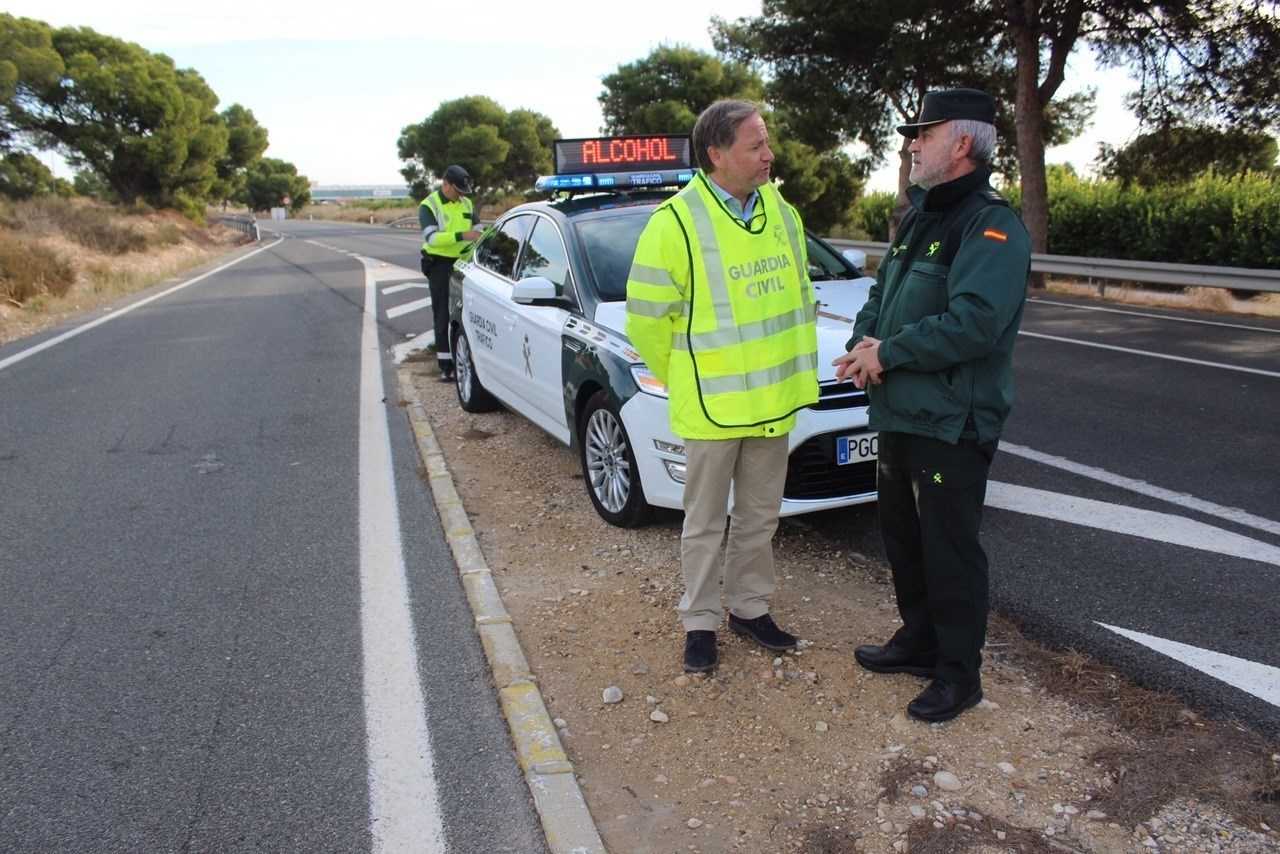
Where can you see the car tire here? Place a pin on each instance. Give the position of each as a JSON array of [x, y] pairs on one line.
[[609, 467], [472, 396]]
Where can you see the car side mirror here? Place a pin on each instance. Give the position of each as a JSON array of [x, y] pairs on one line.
[[856, 257], [532, 290]]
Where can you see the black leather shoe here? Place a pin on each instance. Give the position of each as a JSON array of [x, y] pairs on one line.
[[943, 700], [892, 658], [764, 631], [700, 654], [446, 376]]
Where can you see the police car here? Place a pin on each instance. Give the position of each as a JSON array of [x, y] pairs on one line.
[[537, 320]]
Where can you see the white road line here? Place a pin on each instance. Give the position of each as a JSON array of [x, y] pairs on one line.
[[404, 807], [1260, 680], [72, 333], [1119, 519], [416, 344], [407, 286], [1231, 514], [408, 307], [1149, 353], [1157, 316]]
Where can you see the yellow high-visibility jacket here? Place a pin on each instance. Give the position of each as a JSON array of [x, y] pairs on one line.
[[444, 238], [723, 313]]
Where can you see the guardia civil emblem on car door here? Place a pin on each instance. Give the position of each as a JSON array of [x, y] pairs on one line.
[[528, 356]]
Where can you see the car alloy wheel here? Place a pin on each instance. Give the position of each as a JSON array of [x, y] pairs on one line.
[[609, 465], [471, 394]]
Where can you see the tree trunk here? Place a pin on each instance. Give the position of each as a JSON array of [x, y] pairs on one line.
[[1029, 120], [901, 204]]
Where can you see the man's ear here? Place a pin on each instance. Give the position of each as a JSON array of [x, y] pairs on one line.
[[715, 155], [963, 146]]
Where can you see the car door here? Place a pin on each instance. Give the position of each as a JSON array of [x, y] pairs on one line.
[[539, 327], [488, 312]]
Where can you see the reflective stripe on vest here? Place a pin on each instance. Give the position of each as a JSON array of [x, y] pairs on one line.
[[750, 343]]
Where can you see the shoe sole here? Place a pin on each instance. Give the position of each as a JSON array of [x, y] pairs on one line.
[[710, 667], [926, 672], [739, 630], [969, 703]]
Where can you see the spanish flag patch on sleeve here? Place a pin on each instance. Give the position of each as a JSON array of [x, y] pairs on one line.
[[993, 234]]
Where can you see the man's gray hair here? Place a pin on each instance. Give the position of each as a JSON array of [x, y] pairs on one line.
[[983, 138], [718, 126]]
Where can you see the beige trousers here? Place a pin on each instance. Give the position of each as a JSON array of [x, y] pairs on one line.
[[757, 471]]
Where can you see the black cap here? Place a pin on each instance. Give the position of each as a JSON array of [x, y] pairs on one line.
[[459, 178], [950, 104]]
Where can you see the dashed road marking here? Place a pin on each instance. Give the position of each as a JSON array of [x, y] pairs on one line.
[[1153, 355], [1260, 680], [1120, 519], [1230, 514], [417, 304]]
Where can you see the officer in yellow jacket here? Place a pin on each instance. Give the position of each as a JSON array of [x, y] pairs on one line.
[[720, 306], [447, 219]]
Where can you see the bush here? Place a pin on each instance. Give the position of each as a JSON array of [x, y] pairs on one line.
[[872, 213], [28, 269], [1216, 220], [92, 226]]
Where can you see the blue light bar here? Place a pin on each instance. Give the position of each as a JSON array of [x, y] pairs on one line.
[[616, 180]]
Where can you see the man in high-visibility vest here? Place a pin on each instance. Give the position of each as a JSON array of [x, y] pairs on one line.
[[447, 219], [720, 307]]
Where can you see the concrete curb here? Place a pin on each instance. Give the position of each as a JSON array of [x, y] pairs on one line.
[[566, 821]]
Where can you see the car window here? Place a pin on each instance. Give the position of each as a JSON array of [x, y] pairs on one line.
[[498, 250], [825, 263], [545, 256], [610, 244]]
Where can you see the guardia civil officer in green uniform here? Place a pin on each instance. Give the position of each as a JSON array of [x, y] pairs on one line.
[[447, 219], [720, 306], [934, 347]]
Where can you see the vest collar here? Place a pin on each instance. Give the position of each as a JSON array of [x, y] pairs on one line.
[[945, 196]]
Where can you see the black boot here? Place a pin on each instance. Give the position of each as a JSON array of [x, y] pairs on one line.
[[764, 631], [943, 700], [892, 658], [700, 654]]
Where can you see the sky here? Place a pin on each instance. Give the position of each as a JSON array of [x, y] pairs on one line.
[[334, 86]]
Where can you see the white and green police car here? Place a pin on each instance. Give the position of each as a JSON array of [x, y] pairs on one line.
[[537, 324]]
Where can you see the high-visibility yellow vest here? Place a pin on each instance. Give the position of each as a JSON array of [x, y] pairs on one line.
[[724, 313], [452, 219]]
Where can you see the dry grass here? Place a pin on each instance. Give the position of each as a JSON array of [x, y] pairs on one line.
[[1216, 300], [1173, 753], [60, 259], [990, 834], [28, 269]]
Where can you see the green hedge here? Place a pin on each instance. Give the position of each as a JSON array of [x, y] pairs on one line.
[[1221, 221]]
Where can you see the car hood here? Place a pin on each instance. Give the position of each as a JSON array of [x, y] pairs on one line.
[[838, 304]]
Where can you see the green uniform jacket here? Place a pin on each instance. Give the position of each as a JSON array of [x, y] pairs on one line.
[[948, 315]]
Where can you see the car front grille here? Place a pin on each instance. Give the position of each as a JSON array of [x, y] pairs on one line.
[[843, 395], [812, 473]]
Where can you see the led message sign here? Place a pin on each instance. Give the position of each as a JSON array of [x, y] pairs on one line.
[[622, 153]]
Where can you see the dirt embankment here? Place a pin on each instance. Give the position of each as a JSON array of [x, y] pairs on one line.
[[61, 257], [806, 752]]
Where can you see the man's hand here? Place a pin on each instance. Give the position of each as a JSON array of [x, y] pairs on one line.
[[471, 235], [861, 364]]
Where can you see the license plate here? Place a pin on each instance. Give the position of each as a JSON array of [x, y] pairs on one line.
[[857, 449]]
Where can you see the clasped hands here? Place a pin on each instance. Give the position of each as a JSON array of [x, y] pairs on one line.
[[861, 364]]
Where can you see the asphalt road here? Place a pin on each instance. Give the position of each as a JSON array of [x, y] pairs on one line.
[[1138, 488], [190, 600]]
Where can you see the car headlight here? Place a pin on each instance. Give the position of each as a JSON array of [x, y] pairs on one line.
[[648, 383]]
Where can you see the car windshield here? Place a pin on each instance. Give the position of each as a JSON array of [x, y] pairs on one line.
[[610, 245], [826, 265]]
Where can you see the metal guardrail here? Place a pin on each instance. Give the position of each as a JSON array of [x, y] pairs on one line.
[[245, 224], [409, 223], [1191, 275]]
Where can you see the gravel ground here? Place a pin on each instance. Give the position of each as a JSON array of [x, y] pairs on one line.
[[803, 752]]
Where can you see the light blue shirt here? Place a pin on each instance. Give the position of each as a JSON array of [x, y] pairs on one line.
[[735, 207]]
